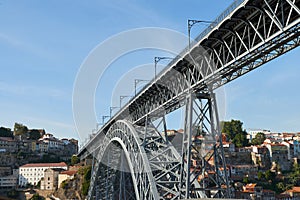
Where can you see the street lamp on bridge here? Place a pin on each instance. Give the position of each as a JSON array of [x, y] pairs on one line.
[[191, 23], [104, 117], [121, 98], [111, 109], [136, 82], [156, 60]]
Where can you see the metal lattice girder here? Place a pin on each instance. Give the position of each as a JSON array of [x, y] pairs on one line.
[[207, 175], [248, 35], [255, 33], [245, 37]]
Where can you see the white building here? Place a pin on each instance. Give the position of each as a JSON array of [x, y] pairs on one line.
[[253, 132], [34, 172], [65, 175]]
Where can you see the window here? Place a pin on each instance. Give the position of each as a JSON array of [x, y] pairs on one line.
[[48, 178]]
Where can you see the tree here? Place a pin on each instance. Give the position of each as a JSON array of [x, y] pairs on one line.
[[234, 131], [74, 160], [270, 176], [259, 139], [34, 134], [280, 187], [5, 132], [240, 140], [20, 129], [246, 180], [260, 175], [294, 176]]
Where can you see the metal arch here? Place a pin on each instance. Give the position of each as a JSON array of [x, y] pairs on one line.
[[130, 164], [257, 40], [123, 132], [227, 70]]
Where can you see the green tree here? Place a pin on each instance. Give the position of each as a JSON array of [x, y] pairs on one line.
[[240, 140], [74, 160], [232, 128], [270, 176], [85, 188], [260, 175], [280, 187], [246, 180], [86, 171], [234, 131], [34, 134], [20, 129], [5, 132], [294, 176], [259, 139]]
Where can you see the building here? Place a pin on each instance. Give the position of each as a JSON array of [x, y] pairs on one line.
[[238, 172], [252, 191], [294, 192], [65, 175], [50, 179], [261, 156], [290, 148], [8, 144], [296, 148], [279, 155], [34, 172], [252, 133], [9, 181]]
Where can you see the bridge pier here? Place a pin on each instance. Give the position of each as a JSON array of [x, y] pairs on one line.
[[249, 34], [203, 163]]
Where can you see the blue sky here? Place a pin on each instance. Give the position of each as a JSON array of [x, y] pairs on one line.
[[44, 43]]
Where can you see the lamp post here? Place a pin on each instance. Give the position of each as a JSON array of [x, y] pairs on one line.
[[104, 117], [137, 81], [156, 60], [111, 109], [191, 23], [121, 98]]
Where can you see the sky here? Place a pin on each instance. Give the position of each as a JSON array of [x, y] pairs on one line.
[[43, 45]]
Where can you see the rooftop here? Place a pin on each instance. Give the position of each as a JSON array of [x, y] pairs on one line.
[[61, 164], [70, 173]]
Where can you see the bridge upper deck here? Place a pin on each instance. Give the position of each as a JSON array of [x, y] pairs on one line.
[[245, 36]]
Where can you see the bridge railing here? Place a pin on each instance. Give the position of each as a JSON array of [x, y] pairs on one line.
[[219, 19], [205, 32]]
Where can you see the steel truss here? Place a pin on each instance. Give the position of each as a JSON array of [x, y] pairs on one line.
[[253, 33], [202, 145], [136, 162]]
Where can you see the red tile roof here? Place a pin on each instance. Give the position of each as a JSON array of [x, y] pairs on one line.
[[294, 190], [61, 164], [70, 173], [250, 185]]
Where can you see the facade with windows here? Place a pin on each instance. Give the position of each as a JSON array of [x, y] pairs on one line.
[[9, 181], [50, 179], [34, 172]]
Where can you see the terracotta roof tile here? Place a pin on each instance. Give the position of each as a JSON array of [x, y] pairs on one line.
[[70, 173], [61, 164]]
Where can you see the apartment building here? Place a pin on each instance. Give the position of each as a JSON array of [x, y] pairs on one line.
[[32, 173]]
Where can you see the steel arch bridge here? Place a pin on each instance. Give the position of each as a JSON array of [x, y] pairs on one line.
[[133, 155]]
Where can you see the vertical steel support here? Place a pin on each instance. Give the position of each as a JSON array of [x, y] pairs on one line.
[[202, 152], [186, 148]]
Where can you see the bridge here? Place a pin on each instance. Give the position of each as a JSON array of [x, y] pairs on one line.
[[134, 157]]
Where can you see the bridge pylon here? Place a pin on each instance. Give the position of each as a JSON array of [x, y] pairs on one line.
[[203, 167]]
